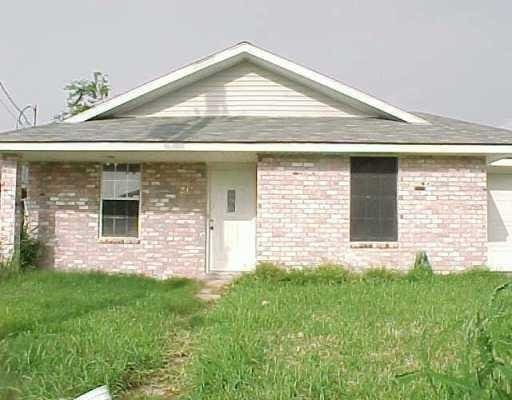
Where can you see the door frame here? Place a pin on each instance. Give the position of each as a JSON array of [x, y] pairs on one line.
[[493, 246], [223, 166]]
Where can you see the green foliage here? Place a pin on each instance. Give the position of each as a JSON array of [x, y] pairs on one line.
[[421, 270], [311, 333], [273, 339], [30, 250], [10, 267], [330, 274], [416, 274], [268, 272], [84, 94], [333, 274], [62, 334], [487, 372], [26, 257], [380, 275], [422, 261], [327, 273]]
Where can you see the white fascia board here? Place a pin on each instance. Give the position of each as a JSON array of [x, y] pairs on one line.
[[248, 50], [336, 86], [156, 84], [503, 162], [451, 149]]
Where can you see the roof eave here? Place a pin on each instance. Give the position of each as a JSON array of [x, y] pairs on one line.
[[263, 147]]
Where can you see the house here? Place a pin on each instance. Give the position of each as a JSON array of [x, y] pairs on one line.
[[245, 157]]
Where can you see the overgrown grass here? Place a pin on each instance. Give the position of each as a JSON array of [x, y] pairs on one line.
[[304, 334], [62, 334], [331, 334], [24, 258]]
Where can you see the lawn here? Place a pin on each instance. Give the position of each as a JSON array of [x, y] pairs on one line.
[[298, 339], [273, 335], [62, 334]]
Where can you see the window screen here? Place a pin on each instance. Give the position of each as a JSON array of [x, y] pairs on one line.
[[120, 193], [373, 199]]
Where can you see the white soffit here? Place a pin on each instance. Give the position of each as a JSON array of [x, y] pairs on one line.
[[326, 148]]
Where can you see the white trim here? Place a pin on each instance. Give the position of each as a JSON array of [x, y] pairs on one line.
[[503, 162], [235, 54], [139, 218], [451, 149], [208, 217]]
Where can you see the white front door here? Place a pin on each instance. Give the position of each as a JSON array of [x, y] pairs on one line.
[[499, 222], [232, 224]]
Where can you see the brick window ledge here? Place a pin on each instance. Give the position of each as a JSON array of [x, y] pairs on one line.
[[374, 245], [118, 240]]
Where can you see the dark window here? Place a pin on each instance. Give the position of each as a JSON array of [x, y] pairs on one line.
[[120, 218], [373, 207], [120, 200]]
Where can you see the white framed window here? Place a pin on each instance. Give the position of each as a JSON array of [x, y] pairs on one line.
[[120, 200]]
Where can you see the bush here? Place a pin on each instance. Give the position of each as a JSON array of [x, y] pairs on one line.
[[269, 272], [30, 250]]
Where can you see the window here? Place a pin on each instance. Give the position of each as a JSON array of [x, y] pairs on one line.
[[373, 204], [231, 206], [120, 197]]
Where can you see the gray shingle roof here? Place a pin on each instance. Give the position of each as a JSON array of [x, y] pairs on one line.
[[265, 130]]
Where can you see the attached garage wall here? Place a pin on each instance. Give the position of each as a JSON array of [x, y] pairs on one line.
[[304, 212], [63, 208], [500, 221]]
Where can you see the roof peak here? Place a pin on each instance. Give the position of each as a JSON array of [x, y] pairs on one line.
[[234, 54]]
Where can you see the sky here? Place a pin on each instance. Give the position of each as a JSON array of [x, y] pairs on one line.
[[447, 57]]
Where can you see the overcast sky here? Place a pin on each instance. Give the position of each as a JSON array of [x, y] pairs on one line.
[[450, 57]]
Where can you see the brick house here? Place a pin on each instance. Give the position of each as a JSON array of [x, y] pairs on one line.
[[245, 157]]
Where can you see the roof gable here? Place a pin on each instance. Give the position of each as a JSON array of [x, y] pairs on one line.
[[323, 85], [244, 89]]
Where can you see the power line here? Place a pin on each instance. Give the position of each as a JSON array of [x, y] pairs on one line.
[[4, 89], [8, 109]]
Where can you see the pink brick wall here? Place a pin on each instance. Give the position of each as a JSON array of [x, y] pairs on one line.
[[304, 211], [63, 203], [10, 210], [303, 215]]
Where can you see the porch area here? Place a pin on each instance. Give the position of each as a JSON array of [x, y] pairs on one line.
[[190, 214]]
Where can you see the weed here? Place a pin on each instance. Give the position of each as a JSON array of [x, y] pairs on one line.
[[487, 372]]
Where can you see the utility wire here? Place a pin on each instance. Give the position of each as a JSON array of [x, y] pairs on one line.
[[4, 89], [8, 109]]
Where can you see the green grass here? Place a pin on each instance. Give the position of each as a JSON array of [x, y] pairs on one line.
[[62, 334], [331, 336], [325, 334]]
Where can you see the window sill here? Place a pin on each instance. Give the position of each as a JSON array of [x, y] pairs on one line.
[[374, 245], [119, 240]]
